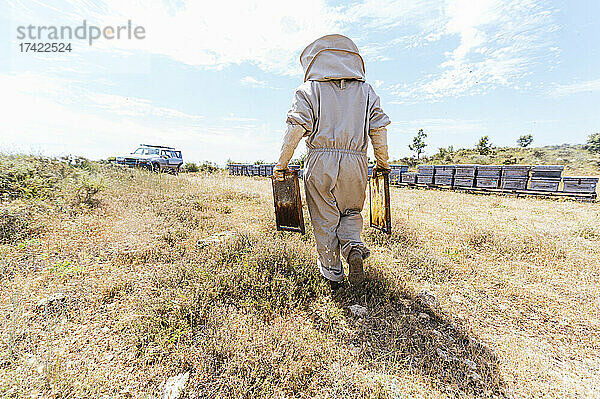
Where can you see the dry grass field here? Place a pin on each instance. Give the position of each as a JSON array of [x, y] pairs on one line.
[[471, 296]]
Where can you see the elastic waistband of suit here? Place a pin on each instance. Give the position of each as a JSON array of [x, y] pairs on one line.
[[336, 150]]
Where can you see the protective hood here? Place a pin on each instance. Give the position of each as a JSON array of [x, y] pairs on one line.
[[332, 57]]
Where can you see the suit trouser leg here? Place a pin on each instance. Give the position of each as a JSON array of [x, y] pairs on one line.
[[349, 193], [319, 180]]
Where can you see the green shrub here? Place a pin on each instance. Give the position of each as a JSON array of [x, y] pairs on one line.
[[190, 167], [31, 177], [17, 222], [205, 166], [593, 143], [208, 167], [85, 195]]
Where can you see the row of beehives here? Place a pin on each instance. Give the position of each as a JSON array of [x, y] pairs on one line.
[[537, 178], [267, 170], [257, 170]]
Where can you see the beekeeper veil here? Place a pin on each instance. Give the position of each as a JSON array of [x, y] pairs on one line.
[[332, 57]]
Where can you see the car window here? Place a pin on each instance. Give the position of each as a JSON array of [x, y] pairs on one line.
[[152, 151]]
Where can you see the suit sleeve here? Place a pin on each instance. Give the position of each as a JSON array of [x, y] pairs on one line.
[[301, 112], [377, 118]]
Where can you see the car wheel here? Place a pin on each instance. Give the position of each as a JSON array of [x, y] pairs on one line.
[[156, 167]]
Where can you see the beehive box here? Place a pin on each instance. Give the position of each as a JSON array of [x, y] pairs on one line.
[[465, 170], [269, 169], [408, 177], [445, 170], [460, 181], [541, 184], [370, 170], [547, 171], [515, 170], [514, 183], [443, 180], [399, 168], [580, 184], [424, 179], [425, 169], [489, 170], [487, 182]]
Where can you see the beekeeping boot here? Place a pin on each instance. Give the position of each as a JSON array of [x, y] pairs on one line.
[[355, 261], [335, 285]]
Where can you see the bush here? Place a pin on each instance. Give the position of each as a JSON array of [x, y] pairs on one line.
[[78, 162], [593, 143], [31, 177], [190, 167], [17, 222], [86, 192], [208, 167], [445, 154]]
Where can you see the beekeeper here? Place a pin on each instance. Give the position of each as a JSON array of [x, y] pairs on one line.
[[337, 112]]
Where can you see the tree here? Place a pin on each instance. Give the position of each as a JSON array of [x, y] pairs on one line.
[[445, 154], [525, 140], [484, 147], [593, 143], [418, 143]]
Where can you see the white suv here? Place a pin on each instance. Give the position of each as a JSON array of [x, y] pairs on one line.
[[155, 158]]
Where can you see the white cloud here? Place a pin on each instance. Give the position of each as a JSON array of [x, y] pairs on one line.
[[253, 82], [498, 40], [267, 33], [573, 88], [499, 43]]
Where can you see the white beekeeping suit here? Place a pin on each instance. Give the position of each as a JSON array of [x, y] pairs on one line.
[[337, 112]]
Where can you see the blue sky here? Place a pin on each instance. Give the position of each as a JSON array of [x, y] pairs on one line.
[[217, 78]]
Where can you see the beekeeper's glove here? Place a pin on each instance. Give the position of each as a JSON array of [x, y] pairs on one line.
[[293, 135], [380, 147]]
